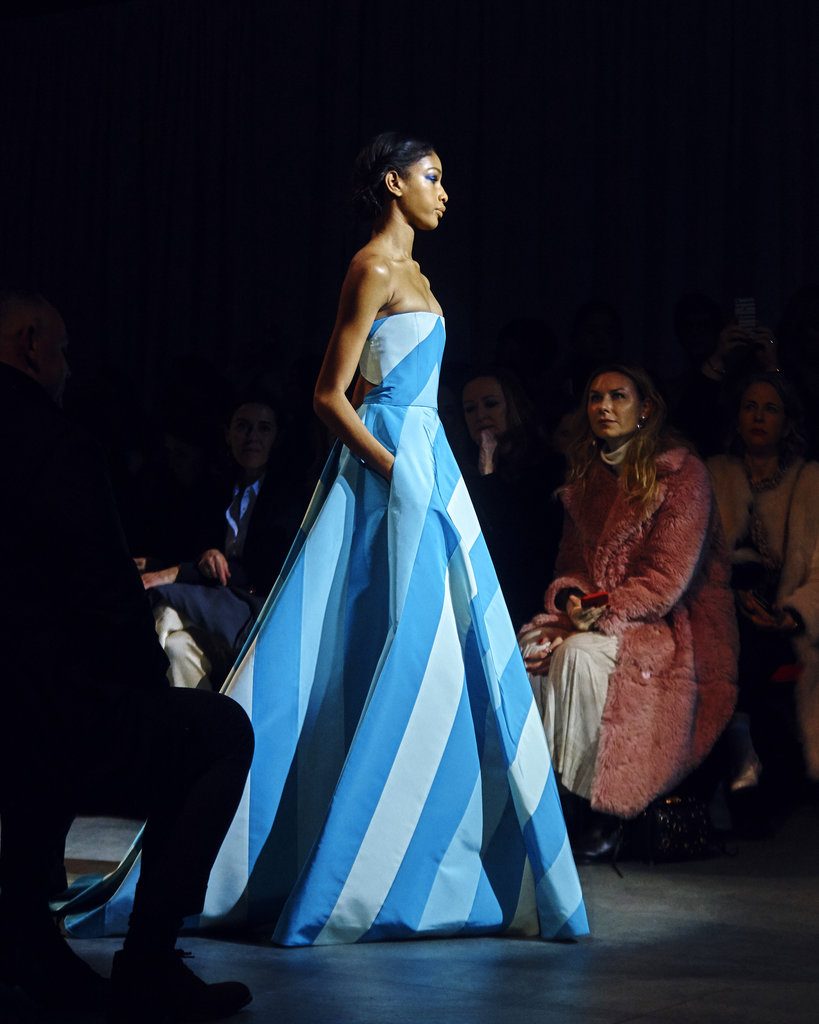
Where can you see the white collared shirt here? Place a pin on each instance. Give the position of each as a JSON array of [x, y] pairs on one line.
[[238, 516]]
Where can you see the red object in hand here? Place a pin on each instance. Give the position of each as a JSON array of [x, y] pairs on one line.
[[596, 600], [787, 674]]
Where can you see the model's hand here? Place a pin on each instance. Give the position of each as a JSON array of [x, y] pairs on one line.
[[160, 577], [213, 564], [141, 563], [582, 618], [486, 453]]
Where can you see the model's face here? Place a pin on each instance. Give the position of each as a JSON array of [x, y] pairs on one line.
[[484, 407], [251, 434], [762, 420], [614, 409], [421, 196]]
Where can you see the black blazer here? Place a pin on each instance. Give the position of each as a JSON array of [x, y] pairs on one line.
[[272, 528], [76, 617]]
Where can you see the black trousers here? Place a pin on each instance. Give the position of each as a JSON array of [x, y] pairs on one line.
[[178, 758], [771, 706]]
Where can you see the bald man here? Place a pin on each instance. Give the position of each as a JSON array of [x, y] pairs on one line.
[[93, 723]]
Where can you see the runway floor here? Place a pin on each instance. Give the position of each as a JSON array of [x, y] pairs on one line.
[[731, 939]]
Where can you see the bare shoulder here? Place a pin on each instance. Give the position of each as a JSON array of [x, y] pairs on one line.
[[370, 263]]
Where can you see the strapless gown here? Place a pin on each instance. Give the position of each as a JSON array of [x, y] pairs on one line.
[[401, 784]]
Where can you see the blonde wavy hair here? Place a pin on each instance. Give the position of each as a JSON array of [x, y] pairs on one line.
[[638, 473]]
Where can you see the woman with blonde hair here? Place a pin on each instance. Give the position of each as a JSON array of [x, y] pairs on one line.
[[767, 495], [633, 661]]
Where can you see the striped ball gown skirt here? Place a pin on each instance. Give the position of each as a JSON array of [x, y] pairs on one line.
[[401, 784]]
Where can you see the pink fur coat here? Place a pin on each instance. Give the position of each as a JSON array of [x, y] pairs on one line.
[[665, 568]]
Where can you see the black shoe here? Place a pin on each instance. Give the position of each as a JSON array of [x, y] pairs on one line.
[[601, 841], [41, 963], [163, 989]]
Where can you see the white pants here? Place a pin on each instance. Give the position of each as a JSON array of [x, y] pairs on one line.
[[190, 650], [571, 700]]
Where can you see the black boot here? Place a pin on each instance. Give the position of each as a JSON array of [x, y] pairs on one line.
[[35, 958], [600, 841], [161, 989]]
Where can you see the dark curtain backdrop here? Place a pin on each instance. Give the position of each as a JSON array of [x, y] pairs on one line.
[[174, 174]]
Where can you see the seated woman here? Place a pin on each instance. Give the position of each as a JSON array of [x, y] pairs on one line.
[[768, 498], [511, 478], [636, 683], [204, 609]]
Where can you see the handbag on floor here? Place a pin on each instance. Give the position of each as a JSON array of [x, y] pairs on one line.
[[671, 828]]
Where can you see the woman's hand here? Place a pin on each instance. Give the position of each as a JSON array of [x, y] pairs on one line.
[[160, 577], [774, 620], [730, 338], [537, 646], [582, 618], [760, 340], [486, 452], [213, 564]]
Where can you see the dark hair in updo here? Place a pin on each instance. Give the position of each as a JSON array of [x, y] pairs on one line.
[[387, 152]]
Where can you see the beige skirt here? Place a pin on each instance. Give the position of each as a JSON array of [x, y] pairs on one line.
[[571, 700]]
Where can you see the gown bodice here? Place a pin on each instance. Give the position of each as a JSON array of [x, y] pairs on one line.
[[402, 358]]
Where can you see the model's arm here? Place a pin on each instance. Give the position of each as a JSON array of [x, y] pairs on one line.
[[366, 291]]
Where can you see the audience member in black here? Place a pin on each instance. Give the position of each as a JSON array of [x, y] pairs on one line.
[[528, 347], [768, 497], [204, 608], [558, 419], [698, 320], [450, 411], [104, 402], [596, 337], [177, 496], [308, 440], [88, 717], [720, 355], [799, 337], [512, 479], [178, 493]]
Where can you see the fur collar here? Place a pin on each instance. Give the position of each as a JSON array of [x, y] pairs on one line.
[[621, 520], [604, 481]]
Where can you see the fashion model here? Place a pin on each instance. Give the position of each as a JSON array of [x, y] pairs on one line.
[[401, 784]]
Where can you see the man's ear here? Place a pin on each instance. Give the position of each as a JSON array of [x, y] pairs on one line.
[[393, 183], [29, 346]]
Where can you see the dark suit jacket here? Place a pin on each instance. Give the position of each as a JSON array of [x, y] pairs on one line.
[[270, 532], [76, 619]]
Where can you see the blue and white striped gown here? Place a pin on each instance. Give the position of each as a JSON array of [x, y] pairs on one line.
[[401, 784]]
